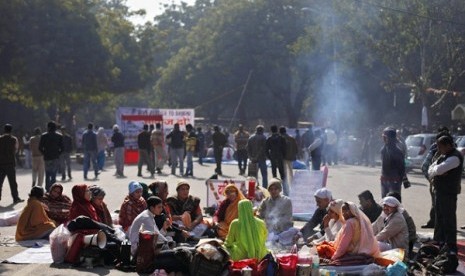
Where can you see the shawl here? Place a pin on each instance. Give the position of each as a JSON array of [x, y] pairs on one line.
[[33, 222], [130, 209], [57, 208], [103, 213], [247, 234], [81, 206], [356, 236], [230, 210]]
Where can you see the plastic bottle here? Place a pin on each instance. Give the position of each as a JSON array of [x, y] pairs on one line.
[[316, 265], [294, 249]]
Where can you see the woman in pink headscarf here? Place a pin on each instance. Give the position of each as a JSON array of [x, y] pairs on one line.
[[356, 236]]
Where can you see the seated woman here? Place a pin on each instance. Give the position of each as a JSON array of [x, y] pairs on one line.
[[98, 194], [390, 227], [227, 211], [247, 234], [355, 237], [57, 203], [33, 222], [332, 222], [276, 210], [132, 205], [145, 222], [81, 205]]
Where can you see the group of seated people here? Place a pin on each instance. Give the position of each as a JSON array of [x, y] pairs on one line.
[[343, 227]]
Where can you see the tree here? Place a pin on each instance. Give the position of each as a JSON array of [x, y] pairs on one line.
[[233, 39], [420, 43]]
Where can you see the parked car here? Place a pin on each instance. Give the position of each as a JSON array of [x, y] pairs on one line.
[[418, 146]]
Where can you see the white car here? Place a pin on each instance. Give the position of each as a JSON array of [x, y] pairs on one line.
[[418, 146]]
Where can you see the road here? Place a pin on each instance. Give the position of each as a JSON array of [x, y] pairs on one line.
[[345, 181]]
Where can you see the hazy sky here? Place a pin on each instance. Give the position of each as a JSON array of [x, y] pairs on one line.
[[152, 7]]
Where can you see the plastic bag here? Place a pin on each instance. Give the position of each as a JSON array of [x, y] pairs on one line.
[[304, 255], [59, 243], [373, 270], [10, 218]]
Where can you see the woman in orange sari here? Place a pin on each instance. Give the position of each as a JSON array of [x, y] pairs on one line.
[[227, 211]]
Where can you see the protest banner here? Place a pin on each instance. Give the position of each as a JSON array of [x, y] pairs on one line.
[[304, 185]]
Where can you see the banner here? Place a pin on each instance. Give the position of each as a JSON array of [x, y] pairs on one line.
[[132, 119], [303, 187]]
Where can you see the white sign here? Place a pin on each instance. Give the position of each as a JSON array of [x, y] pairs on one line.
[[304, 186], [132, 119]]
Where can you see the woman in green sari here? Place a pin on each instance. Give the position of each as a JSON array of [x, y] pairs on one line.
[[247, 234]]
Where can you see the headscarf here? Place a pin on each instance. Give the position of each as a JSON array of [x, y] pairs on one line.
[[58, 207], [230, 212], [393, 202], [80, 206], [102, 210], [336, 207], [249, 229], [367, 243]]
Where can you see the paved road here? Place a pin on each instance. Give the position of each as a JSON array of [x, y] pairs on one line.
[[345, 181]]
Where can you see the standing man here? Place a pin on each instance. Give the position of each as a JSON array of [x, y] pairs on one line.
[[256, 150], [8, 148], [102, 144], [158, 144], [289, 158], [307, 140], [200, 145], [241, 137], [143, 142], [315, 150], [298, 140], [219, 141], [89, 146], [431, 157], [51, 146], [65, 157], [275, 151], [446, 174], [176, 141], [191, 145], [331, 146], [392, 163], [118, 143], [38, 166]]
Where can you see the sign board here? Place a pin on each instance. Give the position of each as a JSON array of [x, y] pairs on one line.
[[215, 189], [303, 187], [132, 119]]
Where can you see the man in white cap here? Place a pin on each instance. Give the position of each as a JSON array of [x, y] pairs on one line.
[[390, 228], [322, 197]]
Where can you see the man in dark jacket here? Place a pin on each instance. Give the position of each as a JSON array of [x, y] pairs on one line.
[[8, 148], [145, 150], [289, 158], [446, 174], [65, 157], [51, 146], [89, 146], [275, 151], [219, 142], [118, 143], [369, 206], [175, 140], [392, 163], [256, 148]]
